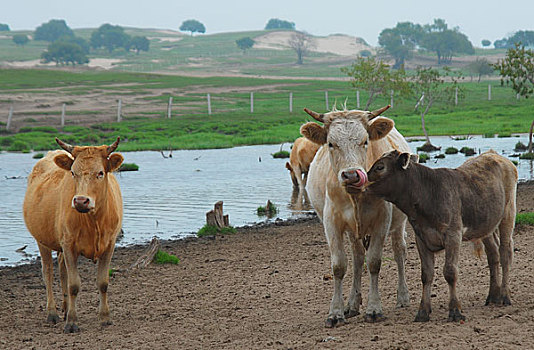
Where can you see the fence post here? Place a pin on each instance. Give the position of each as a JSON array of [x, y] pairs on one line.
[[326, 99], [290, 102], [63, 115], [391, 98], [489, 92], [357, 98], [169, 108], [209, 104], [251, 102], [119, 110], [9, 117], [456, 96], [517, 96]]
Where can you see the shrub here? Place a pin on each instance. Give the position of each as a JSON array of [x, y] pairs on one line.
[[451, 150], [128, 167], [38, 156], [162, 257], [525, 219], [520, 146], [527, 156], [468, 151], [423, 157], [281, 154], [210, 230]]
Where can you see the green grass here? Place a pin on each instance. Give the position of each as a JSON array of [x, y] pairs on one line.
[[525, 219], [210, 230], [281, 154], [526, 155], [268, 210], [162, 257], [128, 167], [451, 150]]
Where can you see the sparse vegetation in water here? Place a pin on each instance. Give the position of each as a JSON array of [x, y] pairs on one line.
[[468, 151], [269, 209], [516, 163], [525, 219], [423, 157], [520, 147], [504, 134], [210, 230], [38, 155], [451, 150], [162, 257], [526, 155], [440, 156], [128, 167], [281, 154], [488, 135]]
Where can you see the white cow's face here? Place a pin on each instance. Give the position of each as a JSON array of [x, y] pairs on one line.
[[347, 135]]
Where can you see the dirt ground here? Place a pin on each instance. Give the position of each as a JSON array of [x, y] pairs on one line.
[[268, 287]]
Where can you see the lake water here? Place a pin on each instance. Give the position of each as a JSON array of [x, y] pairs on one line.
[[169, 197]]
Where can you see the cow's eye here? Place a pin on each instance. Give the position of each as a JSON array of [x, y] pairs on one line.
[[379, 167], [100, 174], [330, 145], [72, 173], [365, 143]]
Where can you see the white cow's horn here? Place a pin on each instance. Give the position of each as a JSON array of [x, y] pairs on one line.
[[315, 115], [113, 146], [379, 111], [65, 146]]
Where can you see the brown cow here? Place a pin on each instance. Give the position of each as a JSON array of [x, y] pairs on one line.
[[352, 140], [300, 159], [73, 205], [445, 206]]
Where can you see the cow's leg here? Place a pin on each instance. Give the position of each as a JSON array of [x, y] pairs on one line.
[[298, 176], [398, 242], [427, 276], [374, 262], [492, 253], [338, 260], [355, 298], [64, 283], [102, 282], [73, 284], [450, 272], [506, 249], [48, 277]]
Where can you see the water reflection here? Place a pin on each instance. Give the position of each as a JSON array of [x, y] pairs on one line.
[[299, 201]]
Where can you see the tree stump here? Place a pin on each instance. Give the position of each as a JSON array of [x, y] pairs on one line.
[[215, 217]]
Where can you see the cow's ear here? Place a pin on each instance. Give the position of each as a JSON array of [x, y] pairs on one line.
[[379, 128], [288, 166], [63, 161], [314, 132], [403, 160], [114, 162], [414, 158]]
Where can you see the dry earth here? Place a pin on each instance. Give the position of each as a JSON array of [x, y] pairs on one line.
[[268, 287]]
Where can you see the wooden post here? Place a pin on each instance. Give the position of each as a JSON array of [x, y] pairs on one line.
[[9, 117], [215, 217], [518, 96], [290, 102], [456, 96], [326, 100], [63, 115], [391, 98], [119, 111], [251, 102], [209, 104], [489, 92], [357, 98], [169, 108]]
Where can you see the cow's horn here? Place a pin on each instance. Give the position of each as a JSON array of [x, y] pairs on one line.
[[114, 145], [315, 115], [379, 111], [64, 145]]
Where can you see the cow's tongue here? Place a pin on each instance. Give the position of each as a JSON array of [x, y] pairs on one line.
[[363, 178]]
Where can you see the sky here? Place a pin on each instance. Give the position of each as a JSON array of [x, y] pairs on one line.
[[489, 19]]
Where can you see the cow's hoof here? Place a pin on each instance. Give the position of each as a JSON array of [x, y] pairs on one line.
[[374, 317], [71, 328], [52, 318], [422, 316], [455, 316], [492, 299], [351, 313], [403, 303], [334, 321], [506, 300], [106, 323]]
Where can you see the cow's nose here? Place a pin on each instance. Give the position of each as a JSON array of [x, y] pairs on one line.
[[81, 203], [350, 176]]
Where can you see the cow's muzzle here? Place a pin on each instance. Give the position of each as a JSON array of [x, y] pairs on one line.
[[82, 204], [353, 180]]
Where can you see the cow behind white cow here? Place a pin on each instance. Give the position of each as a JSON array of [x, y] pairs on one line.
[[351, 141]]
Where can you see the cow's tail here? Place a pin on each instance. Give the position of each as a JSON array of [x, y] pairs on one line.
[[478, 248]]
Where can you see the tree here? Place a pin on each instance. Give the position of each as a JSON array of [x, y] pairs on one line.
[[244, 43], [301, 43], [502, 44], [430, 84], [517, 67], [76, 40], [399, 42], [4, 27], [193, 26], [110, 37], [445, 42], [64, 53], [139, 43], [20, 39], [486, 43], [52, 30], [376, 78], [525, 37], [480, 67], [275, 23]]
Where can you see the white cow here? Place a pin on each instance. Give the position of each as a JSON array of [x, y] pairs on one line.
[[352, 140]]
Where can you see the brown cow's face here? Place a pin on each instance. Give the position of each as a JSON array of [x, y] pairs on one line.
[[89, 170], [384, 172], [347, 135]]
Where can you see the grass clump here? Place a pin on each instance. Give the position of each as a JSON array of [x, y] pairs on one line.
[[504, 134], [18, 146], [38, 155], [525, 219], [488, 135], [423, 157], [268, 210], [468, 151], [162, 257], [527, 156], [210, 230], [128, 167], [520, 146], [440, 156], [281, 154], [451, 150]]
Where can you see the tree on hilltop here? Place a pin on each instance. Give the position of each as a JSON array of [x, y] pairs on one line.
[[193, 26], [486, 42], [139, 43], [275, 23], [52, 30], [20, 39], [4, 27], [401, 41], [245, 43], [480, 67], [110, 37], [64, 53]]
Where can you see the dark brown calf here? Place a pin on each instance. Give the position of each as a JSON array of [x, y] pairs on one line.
[[445, 206]]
